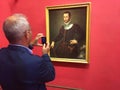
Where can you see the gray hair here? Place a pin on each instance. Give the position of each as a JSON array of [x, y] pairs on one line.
[[15, 26]]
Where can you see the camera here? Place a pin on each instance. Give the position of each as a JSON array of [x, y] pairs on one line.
[[43, 40]]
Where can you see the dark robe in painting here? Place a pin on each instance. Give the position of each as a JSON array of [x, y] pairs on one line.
[[62, 48]]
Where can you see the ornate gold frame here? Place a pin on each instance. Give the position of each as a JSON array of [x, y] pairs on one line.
[[71, 7]]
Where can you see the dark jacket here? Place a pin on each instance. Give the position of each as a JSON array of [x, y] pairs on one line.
[[21, 70]]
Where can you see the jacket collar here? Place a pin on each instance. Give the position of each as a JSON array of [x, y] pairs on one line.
[[20, 48]]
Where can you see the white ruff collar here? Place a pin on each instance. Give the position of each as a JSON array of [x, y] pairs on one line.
[[68, 26]]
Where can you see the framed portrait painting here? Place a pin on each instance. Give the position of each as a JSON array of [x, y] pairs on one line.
[[68, 32]]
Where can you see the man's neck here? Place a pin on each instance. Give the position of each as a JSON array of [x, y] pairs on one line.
[[67, 23], [20, 43]]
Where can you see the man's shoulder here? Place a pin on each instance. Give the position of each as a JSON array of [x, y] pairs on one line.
[[2, 49], [75, 24], [62, 26], [3, 52]]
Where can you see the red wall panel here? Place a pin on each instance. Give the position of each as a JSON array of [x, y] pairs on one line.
[[5, 11], [103, 71]]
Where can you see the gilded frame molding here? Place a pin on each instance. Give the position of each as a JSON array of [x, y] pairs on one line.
[[79, 10]]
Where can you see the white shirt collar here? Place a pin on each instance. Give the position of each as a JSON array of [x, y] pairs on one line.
[[23, 47]]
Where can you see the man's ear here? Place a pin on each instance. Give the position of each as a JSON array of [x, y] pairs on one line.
[[27, 34]]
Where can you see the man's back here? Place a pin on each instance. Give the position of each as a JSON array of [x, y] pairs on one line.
[[20, 70]]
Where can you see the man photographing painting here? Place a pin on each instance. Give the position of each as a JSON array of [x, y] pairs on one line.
[[20, 69]]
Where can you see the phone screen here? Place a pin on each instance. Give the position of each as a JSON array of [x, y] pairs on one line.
[[43, 40]]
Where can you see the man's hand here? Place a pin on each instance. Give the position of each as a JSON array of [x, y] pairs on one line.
[[52, 44], [73, 41], [46, 48], [35, 41]]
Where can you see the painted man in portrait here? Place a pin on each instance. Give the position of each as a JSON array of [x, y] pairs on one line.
[[68, 43]]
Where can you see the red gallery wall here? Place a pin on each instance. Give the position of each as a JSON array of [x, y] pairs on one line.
[[102, 73]]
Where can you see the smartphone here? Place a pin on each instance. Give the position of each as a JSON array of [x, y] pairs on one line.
[[43, 40]]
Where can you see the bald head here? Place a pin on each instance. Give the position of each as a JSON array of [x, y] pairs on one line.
[[15, 27]]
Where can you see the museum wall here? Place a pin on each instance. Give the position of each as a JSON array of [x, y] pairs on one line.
[[102, 72]]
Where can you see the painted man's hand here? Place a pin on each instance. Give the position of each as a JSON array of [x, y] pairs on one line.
[[73, 42], [52, 44]]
